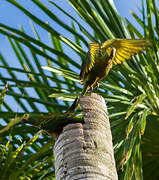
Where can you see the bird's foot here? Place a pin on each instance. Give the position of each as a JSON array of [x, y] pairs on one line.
[[95, 87]]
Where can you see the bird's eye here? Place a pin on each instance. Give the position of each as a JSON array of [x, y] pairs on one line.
[[26, 116]]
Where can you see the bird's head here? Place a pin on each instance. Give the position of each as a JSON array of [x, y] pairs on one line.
[[25, 118], [111, 52], [29, 119]]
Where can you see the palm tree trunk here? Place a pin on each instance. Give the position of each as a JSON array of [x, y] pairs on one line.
[[85, 151]]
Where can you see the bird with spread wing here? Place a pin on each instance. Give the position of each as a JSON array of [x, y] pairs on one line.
[[101, 57]]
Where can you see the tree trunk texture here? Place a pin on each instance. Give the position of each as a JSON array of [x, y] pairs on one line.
[[85, 151]]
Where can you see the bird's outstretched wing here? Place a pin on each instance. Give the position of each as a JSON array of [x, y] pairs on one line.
[[90, 59], [125, 48]]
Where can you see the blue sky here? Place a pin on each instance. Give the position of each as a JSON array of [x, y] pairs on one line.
[[13, 17], [10, 15]]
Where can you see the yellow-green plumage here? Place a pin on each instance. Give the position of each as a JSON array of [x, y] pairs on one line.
[[52, 123], [101, 57], [98, 61]]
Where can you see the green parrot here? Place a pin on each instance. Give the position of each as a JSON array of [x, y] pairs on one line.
[[100, 58], [53, 123]]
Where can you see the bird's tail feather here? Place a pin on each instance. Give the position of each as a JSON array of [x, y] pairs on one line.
[[73, 107], [84, 90], [75, 104]]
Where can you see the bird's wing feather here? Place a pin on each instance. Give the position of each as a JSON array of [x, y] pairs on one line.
[[90, 59], [125, 48]]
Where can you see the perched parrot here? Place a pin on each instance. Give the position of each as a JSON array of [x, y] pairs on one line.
[[53, 123], [101, 57]]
